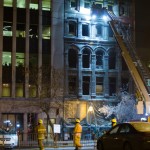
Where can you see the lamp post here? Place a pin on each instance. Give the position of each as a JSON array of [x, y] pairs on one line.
[[90, 112]]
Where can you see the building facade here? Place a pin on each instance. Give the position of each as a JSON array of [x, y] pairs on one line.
[[25, 46], [95, 70], [38, 35]]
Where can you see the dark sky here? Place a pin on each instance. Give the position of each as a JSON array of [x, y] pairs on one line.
[[142, 28]]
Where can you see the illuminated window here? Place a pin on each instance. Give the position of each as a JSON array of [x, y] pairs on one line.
[[33, 4], [21, 4], [8, 3], [46, 5], [6, 89], [46, 32], [7, 29], [19, 90], [20, 30]]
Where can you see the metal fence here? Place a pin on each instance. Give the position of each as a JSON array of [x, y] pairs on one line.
[[30, 140]]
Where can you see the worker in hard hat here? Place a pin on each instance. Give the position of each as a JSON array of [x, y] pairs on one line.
[[77, 134], [41, 133], [113, 122]]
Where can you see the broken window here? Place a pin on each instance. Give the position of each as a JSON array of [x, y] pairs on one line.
[[72, 58], [72, 85], [72, 28], [86, 58], [99, 59], [112, 86], [99, 85], [86, 85], [85, 30], [112, 59]]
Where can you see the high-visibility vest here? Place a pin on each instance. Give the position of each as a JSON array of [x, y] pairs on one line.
[[41, 131]]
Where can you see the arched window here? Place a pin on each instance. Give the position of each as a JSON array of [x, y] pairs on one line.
[[86, 58], [112, 59], [72, 58], [99, 59]]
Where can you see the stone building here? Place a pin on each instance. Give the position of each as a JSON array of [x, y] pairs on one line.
[[60, 34]]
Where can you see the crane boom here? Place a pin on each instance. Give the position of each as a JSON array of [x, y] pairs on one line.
[[131, 66]]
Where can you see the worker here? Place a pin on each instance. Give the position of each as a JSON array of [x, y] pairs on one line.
[[113, 122], [77, 134], [41, 133]]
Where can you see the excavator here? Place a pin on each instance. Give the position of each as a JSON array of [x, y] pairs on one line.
[[138, 71]]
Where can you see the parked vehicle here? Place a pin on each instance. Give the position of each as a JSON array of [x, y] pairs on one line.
[[8, 138], [126, 136]]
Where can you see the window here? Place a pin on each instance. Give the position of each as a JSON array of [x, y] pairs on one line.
[[7, 29], [99, 85], [124, 129], [21, 4], [114, 130], [112, 59], [72, 28], [46, 5], [72, 58], [33, 4], [112, 86], [85, 30], [8, 3], [86, 58], [73, 3], [99, 59], [86, 4], [86, 85], [99, 30], [109, 8], [72, 85], [46, 32], [124, 83]]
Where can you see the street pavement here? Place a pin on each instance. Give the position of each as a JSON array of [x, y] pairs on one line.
[[59, 148]]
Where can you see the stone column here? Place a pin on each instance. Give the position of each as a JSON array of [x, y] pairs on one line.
[[27, 50], [13, 56], [1, 44], [93, 79], [80, 75], [106, 77]]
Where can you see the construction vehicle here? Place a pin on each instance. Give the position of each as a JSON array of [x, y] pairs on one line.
[[136, 68]]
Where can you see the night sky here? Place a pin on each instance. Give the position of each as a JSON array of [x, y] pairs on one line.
[[142, 28]]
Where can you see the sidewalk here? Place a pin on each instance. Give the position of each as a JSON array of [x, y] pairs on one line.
[[59, 148]]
